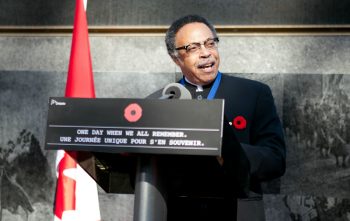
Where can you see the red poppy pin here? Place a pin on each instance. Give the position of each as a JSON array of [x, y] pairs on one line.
[[239, 123], [133, 112]]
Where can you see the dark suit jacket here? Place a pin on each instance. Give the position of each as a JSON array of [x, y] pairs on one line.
[[254, 151], [262, 140]]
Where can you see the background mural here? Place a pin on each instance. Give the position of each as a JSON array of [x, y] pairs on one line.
[[317, 125]]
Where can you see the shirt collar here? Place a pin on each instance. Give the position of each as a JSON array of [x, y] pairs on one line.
[[199, 87]]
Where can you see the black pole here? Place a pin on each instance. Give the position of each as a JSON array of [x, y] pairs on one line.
[[150, 202]]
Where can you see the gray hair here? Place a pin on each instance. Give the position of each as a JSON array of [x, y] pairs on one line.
[[177, 25]]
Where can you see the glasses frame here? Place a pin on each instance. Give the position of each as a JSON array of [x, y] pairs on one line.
[[185, 47]]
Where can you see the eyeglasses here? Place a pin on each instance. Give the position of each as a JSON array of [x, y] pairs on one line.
[[210, 43]]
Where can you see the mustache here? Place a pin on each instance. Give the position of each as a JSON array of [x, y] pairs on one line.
[[206, 62]]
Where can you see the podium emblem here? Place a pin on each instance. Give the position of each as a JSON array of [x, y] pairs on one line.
[[133, 112]]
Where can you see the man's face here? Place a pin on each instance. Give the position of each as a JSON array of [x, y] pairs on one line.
[[200, 67]]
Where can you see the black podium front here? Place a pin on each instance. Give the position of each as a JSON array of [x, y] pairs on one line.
[[117, 137]]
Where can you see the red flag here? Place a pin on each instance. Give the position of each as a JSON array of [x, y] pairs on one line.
[[76, 193], [80, 82]]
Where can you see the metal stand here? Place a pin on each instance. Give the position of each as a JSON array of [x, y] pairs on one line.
[[150, 203]]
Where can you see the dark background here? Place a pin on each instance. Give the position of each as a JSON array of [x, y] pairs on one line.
[[163, 12]]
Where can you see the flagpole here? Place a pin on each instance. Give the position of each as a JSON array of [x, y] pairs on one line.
[[77, 196]]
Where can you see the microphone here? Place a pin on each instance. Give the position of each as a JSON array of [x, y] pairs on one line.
[[175, 91]]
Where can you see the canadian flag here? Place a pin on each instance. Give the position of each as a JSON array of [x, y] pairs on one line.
[[76, 192]]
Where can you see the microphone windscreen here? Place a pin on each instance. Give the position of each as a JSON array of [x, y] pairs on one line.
[[176, 91]]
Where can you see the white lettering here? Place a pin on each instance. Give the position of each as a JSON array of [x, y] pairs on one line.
[[57, 102], [97, 132], [185, 143], [168, 134], [116, 140], [114, 132], [65, 139], [138, 141], [129, 133], [87, 140], [82, 131], [161, 142], [142, 133]]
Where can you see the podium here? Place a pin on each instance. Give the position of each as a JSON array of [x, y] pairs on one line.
[[119, 137]]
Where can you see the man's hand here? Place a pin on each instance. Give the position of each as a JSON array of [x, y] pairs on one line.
[[220, 160]]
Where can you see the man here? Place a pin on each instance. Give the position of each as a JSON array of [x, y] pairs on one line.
[[206, 188]]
